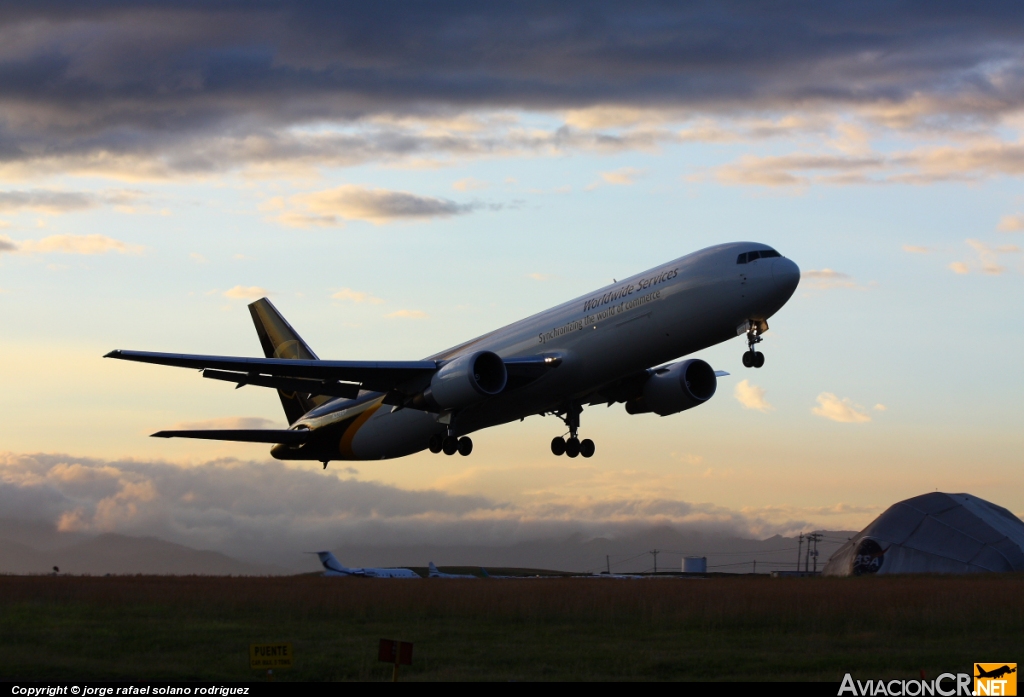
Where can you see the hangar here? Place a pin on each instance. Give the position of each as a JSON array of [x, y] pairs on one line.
[[934, 533]]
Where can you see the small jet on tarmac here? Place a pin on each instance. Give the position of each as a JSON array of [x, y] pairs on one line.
[[333, 567], [435, 573]]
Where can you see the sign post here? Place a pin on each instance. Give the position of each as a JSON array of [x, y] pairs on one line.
[[270, 656], [396, 652]]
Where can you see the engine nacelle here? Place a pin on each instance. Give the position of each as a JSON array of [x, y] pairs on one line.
[[468, 379], [675, 388]]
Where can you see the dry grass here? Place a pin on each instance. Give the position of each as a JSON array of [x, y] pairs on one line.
[[733, 628]]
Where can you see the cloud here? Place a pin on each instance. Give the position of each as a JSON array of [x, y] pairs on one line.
[[141, 91], [229, 423], [57, 202], [44, 201], [268, 511], [198, 258], [408, 314], [469, 184], [987, 258], [841, 410], [752, 397], [355, 296], [378, 206], [539, 276], [246, 293], [69, 244], [827, 278], [622, 177], [1011, 223]]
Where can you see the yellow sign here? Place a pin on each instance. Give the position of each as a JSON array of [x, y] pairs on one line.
[[265, 656], [995, 679]]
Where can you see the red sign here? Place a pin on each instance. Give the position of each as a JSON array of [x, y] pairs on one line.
[[397, 652]]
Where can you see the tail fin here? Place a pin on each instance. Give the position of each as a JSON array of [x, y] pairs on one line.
[[433, 570], [331, 563], [279, 340]]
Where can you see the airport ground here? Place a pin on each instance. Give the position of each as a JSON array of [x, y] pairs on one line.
[[738, 628]]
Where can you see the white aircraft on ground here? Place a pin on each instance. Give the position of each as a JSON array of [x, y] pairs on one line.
[[610, 346], [436, 573], [333, 567]]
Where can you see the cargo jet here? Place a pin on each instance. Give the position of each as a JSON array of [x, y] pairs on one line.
[[610, 346]]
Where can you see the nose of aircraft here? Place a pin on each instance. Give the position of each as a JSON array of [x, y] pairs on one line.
[[786, 275]]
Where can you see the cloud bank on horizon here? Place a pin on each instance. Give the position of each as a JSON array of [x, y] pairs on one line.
[[248, 508]]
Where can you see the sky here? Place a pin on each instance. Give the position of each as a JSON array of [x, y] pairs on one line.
[[401, 177]]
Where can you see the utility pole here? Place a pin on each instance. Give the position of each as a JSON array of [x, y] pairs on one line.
[[814, 537], [799, 546], [655, 553], [755, 566], [608, 563]]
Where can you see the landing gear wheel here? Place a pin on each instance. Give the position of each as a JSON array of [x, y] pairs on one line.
[[572, 447], [748, 360], [465, 446], [450, 445], [587, 448], [558, 445], [435, 444], [758, 360]]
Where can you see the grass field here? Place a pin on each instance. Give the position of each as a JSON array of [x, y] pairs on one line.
[[742, 628]]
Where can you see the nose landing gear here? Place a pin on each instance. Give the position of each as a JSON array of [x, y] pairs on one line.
[[572, 446], [751, 358]]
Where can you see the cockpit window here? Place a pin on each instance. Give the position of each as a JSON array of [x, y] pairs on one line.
[[751, 256]]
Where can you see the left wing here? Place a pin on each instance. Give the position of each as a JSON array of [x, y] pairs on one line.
[[314, 377]]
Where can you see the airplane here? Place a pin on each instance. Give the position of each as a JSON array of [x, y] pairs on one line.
[[435, 573], [611, 346], [995, 673], [333, 567]]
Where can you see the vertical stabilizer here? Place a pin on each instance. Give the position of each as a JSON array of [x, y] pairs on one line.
[[279, 340], [331, 563]]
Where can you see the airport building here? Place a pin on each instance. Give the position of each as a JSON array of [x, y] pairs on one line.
[[934, 533]]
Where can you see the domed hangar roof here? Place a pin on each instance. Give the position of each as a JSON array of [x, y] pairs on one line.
[[934, 533]]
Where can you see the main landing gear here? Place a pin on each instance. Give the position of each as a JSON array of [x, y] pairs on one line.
[[751, 358], [572, 446], [449, 444]]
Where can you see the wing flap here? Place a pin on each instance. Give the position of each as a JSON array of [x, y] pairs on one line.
[[330, 388]]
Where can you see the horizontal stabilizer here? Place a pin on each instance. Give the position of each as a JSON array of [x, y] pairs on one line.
[[721, 374], [242, 435]]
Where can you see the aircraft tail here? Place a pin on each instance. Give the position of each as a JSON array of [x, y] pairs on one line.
[[434, 573], [279, 340], [331, 563]]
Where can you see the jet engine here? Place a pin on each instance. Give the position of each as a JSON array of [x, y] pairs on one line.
[[675, 388], [468, 379]]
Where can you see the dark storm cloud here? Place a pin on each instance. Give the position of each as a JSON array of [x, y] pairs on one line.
[[144, 77]]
